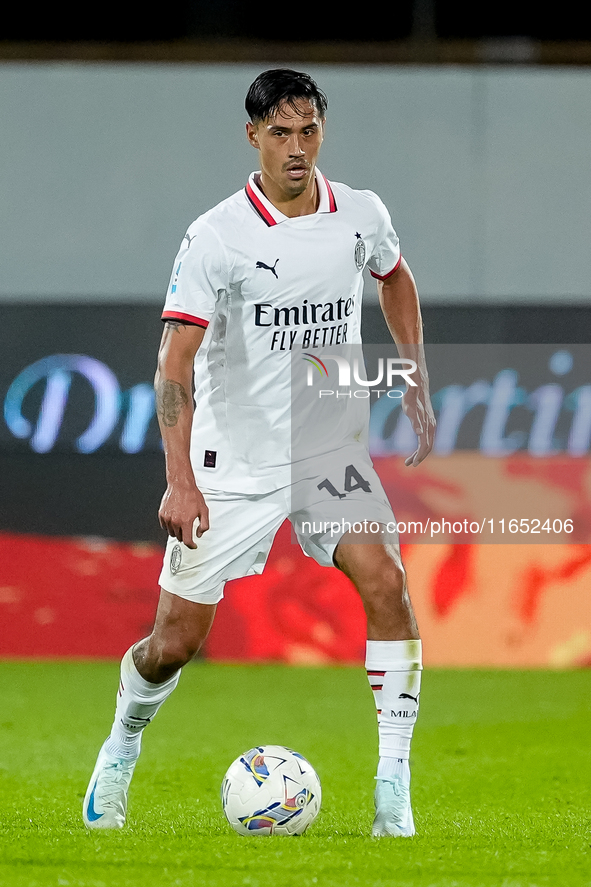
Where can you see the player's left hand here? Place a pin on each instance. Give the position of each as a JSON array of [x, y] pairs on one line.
[[416, 404]]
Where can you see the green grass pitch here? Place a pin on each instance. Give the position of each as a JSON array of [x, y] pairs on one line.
[[501, 780]]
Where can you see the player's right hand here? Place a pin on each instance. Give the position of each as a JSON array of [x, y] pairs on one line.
[[182, 507]]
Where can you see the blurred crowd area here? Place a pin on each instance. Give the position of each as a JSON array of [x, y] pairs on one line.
[[436, 31]]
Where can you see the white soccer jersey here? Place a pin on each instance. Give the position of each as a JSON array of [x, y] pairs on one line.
[[262, 284]]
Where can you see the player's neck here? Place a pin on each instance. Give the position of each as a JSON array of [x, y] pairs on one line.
[[303, 204]]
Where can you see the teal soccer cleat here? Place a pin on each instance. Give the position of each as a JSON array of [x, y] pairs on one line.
[[105, 804], [393, 810]]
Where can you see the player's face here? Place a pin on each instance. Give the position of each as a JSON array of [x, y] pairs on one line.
[[289, 144]]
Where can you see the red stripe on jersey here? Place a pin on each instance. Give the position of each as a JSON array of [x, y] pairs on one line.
[[379, 674], [389, 274], [185, 318], [259, 206], [331, 198], [376, 686]]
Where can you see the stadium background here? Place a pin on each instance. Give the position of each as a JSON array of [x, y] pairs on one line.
[[475, 133]]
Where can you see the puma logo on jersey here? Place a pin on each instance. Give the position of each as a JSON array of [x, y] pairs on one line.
[[269, 267]]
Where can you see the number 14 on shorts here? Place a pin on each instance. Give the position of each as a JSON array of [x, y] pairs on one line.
[[353, 481]]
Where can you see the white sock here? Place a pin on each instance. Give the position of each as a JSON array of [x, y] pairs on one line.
[[389, 768], [394, 672], [137, 703]]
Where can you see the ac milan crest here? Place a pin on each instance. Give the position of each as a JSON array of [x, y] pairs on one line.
[[175, 559], [359, 252]]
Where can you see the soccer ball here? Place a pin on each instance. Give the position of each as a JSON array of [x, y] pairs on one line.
[[271, 790]]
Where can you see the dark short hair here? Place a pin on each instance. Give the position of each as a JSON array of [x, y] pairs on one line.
[[272, 88]]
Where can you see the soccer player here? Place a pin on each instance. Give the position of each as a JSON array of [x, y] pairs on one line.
[[275, 267]]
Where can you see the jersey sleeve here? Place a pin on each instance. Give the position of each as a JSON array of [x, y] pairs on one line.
[[385, 258], [198, 276]]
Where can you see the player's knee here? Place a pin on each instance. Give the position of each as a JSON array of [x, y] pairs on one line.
[[383, 589]]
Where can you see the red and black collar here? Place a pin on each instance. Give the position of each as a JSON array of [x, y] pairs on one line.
[[271, 215]]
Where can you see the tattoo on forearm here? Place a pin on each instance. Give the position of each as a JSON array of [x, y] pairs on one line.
[[175, 325], [171, 398]]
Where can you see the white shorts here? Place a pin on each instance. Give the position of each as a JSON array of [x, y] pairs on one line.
[[321, 508]]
